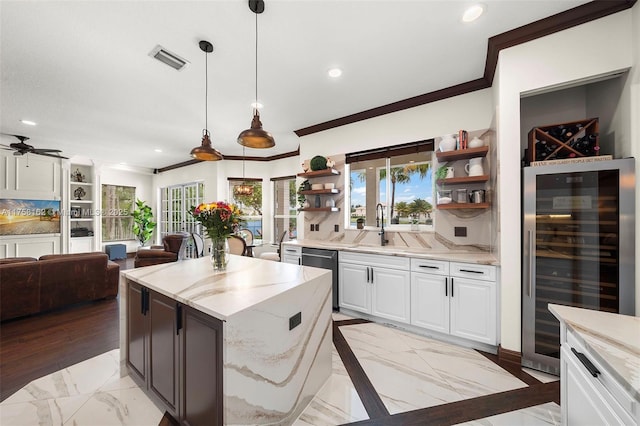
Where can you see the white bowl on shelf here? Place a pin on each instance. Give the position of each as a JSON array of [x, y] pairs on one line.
[[329, 185], [316, 186]]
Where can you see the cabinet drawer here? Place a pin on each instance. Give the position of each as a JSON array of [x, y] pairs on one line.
[[291, 250], [382, 261], [436, 267], [604, 379], [473, 271]]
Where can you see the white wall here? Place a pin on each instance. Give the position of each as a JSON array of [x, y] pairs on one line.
[[633, 83], [470, 111], [542, 63]]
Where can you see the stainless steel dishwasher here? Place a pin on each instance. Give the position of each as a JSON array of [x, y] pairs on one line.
[[325, 259]]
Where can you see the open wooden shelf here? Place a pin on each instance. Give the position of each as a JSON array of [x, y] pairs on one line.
[[462, 154], [319, 209], [319, 173], [460, 206], [320, 191], [465, 179]]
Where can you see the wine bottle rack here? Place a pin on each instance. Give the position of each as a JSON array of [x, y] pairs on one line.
[[573, 139]]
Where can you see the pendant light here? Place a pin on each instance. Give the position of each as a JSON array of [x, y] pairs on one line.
[[205, 151], [256, 137], [243, 189]]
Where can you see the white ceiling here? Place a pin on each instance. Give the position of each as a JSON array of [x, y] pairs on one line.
[[81, 69]]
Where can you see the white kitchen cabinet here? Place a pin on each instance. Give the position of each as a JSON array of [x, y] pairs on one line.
[[291, 254], [589, 399], [446, 300], [375, 284]]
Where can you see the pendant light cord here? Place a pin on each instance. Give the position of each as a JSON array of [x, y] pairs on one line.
[[206, 91], [256, 62]]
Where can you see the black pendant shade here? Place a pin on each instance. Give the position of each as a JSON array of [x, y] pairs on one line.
[[205, 151]]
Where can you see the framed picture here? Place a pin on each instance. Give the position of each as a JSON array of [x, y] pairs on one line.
[[24, 217], [75, 212]]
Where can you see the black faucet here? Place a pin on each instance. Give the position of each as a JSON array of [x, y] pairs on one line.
[[380, 220]]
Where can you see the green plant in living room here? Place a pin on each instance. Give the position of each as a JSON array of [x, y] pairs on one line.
[[143, 224]]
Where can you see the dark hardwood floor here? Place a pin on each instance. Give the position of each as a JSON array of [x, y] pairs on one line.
[[35, 346]]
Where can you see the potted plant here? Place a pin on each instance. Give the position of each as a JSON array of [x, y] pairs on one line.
[[360, 223], [441, 173], [304, 186], [143, 224]]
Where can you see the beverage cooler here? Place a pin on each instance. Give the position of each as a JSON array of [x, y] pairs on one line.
[[578, 248]]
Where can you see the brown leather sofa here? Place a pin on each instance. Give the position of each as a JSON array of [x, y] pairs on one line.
[[30, 286], [172, 249]]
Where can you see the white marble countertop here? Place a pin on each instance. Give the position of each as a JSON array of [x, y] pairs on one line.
[[613, 338], [246, 282], [466, 256]]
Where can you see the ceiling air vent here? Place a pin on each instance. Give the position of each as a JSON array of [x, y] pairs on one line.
[[168, 58]]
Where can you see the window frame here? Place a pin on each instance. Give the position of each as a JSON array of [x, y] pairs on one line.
[[388, 153], [276, 234]]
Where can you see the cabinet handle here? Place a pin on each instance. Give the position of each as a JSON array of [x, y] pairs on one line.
[[367, 274], [299, 261], [372, 275], [585, 361], [471, 271], [531, 263], [142, 304], [451, 287], [446, 286], [178, 318], [428, 266], [144, 294]]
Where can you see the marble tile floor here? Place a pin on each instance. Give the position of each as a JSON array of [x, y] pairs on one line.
[[408, 372]]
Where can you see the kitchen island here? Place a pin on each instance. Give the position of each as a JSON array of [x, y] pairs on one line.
[[250, 345]]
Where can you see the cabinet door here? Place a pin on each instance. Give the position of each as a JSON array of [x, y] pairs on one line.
[[202, 369], [582, 401], [390, 297], [163, 349], [473, 310], [430, 301], [137, 326], [355, 287]]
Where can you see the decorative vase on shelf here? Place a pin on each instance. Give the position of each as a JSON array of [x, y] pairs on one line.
[[448, 143], [219, 254]]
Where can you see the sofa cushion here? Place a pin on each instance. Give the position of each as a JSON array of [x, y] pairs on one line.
[[20, 289], [81, 277]]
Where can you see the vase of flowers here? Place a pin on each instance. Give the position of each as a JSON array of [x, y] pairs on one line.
[[220, 220]]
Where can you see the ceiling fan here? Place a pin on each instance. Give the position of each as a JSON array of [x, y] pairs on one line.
[[21, 148]]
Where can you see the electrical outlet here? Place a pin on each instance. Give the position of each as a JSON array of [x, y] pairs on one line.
[[312, 227], [460, 231], [336, 228], [317, 226], [295, 320]]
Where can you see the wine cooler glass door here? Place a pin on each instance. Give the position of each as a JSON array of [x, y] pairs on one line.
[[573, 256]]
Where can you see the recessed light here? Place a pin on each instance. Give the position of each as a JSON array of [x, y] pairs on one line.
[[334, 72], [28, 122], [157, 150], [473, 13], [256, 105]]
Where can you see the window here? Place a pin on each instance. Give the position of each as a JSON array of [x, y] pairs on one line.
[[251, 205], [118, 203], [285, 207], [175, 201], [399, 178]]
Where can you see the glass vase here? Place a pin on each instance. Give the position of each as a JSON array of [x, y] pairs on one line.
[[219, 254]]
